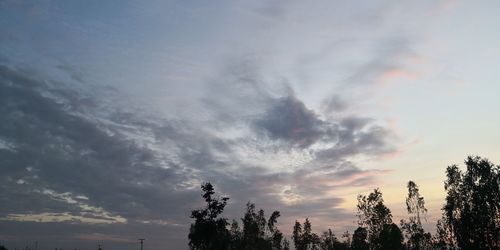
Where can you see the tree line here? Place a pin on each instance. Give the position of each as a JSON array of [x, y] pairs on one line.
[[470, 220]]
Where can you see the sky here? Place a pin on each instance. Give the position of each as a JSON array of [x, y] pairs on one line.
[[113, 113]]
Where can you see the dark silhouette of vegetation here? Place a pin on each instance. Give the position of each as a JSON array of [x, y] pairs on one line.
[[374, 216], [304, 238], [416, 237], [209, 231], [359, 239], [471, 215], [390, 238], [470, 220], [258, 233], [328, 241]]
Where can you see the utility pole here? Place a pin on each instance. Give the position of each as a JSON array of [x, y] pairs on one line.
[[142, 242]]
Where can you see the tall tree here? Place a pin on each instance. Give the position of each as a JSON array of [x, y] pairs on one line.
[[472, 210], [304, 238], [416, 237], [259, 233], [209, 232], [373, 215], [277, 238]]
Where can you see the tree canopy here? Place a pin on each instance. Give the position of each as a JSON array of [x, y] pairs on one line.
[[471, 213], [470, 220]]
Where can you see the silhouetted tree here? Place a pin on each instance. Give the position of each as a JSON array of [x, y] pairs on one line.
[[373, 215], [258, 233], [443, 239], [236, 236], [347, 238], [415, 235], [472, 210], [3, 247], [304, 238], [276, 236], [209, 231], [390, 238], [471, 218], [286, 244], [328, 241], [359, 239], [254, 226]]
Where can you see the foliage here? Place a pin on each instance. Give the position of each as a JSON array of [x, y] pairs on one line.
[[304, 238], [259, 233], [416, 237], [471, 214], [328, 241], [359, 239], [443, 239], [373, 215], [390, 238], [470, 220], [209, 231]]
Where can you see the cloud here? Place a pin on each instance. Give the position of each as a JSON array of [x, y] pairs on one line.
[[289, 120], [95, 169], [72, 152], [359, 136], [391, 59], [333, 104], [74, 72]]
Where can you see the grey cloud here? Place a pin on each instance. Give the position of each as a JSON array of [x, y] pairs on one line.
[[333, 104], [359, 136], [75, 73], [145, 168], [240, 93], [288, 119], [69, 152], [266, 190]]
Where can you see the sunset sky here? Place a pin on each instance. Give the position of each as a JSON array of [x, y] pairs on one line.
[[114, 112]]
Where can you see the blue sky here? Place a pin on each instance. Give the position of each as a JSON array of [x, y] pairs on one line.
[[114, 112]]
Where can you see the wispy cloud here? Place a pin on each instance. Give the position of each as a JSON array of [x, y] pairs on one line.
[[83, 161]]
